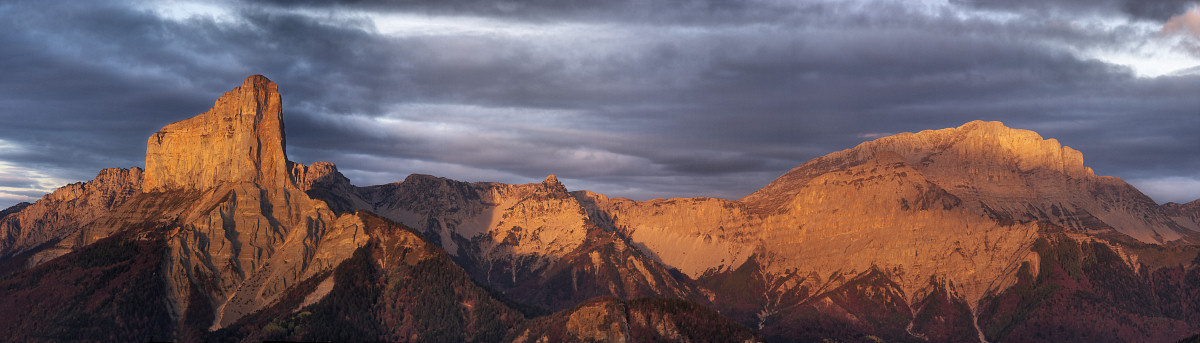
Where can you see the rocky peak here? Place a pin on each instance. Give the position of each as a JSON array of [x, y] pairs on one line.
[[240, 139], [318, 173], [13, 209], [551, 183], [980, 143], [978, 150], [65, 210], [1186, 215]]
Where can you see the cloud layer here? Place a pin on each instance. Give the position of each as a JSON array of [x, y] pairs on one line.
[[627, 98]]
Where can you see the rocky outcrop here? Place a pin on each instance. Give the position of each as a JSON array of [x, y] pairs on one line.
[[239, 140], [529, 225], [396, 288], [241, 227], [248, 230], [886, 214], [1014, 174], [697, 236], [13, 209], [66, 210], [535, 242], [1186, 215], [322, 180], [961, 205], [608, 319]]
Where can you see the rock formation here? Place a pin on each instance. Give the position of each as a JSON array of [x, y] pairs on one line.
[[241, 231], [1186, 215], [66, 210], [697, 236], [962, 205], [518, 239], [239, 140]]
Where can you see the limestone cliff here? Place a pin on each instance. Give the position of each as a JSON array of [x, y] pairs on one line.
[[239, 140], [962, 205], [1013, 174], [694, 235], [246, 230], [240, 226], [519, 238], [66, 210]]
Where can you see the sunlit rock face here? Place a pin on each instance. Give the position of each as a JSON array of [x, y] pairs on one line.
[[248, 231], [239, 140], [242, 228], [1014, 175], [68, 208], [694, 235], [535, 242], [962, 206]]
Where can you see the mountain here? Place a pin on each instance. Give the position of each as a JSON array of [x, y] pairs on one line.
[[1186, 215], [397, 287], [975, 233], [230, 228], [26, 228], [944, 217], [534, 242], [221, 237]]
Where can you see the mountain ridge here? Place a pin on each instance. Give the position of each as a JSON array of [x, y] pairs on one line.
[[927, 236]]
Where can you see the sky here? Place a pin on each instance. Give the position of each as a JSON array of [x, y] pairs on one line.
[[633, 98]]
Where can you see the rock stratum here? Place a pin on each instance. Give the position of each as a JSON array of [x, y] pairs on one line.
[[975, 233]]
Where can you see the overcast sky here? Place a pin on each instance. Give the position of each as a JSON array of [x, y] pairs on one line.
[[640, 99]]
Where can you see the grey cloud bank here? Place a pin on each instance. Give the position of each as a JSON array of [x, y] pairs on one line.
[[635, 99]]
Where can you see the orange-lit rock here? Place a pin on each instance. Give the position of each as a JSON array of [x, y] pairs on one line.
[[694, 235], [961, 205], [242, 231], [239, 140], [66, 210], [517, 238]]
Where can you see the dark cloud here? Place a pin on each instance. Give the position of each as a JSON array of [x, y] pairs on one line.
[[706, 12], [638, 99], [1156, 10]]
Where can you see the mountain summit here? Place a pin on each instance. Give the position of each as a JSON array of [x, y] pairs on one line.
[[1009, 173], [239, 139]]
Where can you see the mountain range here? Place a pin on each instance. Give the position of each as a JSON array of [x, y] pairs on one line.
[[980, 233]]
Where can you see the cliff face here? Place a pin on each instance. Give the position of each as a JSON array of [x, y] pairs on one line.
[[239, 140], [247, 231], [962, 206], [67, 209], [240, 229], [535, 242], [697, 236], [1013, 174], [397, 288]]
